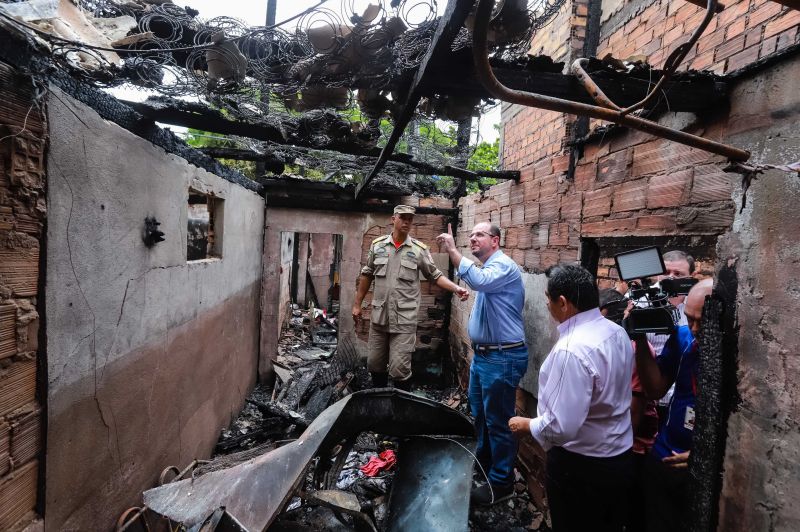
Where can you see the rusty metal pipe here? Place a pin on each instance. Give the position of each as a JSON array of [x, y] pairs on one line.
[[676, 58], [483, 69], [591, 87]]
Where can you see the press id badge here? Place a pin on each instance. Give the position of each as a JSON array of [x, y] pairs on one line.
[[688, 420]]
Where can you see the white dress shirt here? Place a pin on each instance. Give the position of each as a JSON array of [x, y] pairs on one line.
[[585, 388]]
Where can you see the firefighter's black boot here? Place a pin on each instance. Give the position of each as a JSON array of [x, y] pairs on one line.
[[404, 385], [379, 380]]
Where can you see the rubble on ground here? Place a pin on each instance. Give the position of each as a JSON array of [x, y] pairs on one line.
[[312, 373]]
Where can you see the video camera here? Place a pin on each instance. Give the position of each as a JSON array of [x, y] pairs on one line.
[[652, 312]]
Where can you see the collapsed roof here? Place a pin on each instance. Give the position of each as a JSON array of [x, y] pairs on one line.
[[337, 82]]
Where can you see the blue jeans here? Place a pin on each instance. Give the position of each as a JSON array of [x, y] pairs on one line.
[[493, 380]]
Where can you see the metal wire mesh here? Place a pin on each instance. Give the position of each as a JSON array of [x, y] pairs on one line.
[[319, 61]]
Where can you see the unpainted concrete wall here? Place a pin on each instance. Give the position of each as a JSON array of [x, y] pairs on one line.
[[148, 356], [761, 479]]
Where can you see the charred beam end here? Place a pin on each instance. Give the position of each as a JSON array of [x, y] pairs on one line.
[[419, 167], [450, 23]]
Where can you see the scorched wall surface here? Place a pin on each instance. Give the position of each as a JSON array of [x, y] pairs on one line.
[[148, 356]]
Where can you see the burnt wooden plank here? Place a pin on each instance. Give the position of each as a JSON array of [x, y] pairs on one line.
[[449, 25], [298, 388]]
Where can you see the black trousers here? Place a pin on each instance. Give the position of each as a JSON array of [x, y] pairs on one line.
[[667, 496], [588, 493], [637, 514]]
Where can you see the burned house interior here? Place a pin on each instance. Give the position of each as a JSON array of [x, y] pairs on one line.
[[189, 202]]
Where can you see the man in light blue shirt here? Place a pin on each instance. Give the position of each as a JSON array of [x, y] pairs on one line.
[[500, 359]]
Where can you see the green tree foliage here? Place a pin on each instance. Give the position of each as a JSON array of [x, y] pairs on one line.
[[485, 157], [197, 138]]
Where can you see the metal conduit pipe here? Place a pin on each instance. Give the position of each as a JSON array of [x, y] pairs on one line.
[[597, 94], [483, 69]]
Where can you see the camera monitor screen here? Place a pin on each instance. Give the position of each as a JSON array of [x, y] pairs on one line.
[[645, 262]]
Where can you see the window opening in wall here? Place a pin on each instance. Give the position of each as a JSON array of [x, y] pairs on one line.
[[204, 235]]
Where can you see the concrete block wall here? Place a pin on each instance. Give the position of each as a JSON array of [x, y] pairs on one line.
[[23, 137], [627, 184], [149, 356]]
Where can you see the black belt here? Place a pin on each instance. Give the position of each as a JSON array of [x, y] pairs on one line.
[[483, 348]]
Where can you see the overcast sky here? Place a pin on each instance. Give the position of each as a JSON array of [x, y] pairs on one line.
[[253, 13]]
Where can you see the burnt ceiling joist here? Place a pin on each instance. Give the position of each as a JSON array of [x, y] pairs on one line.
[[300, 194], [197, 116], [453, 18], [402, 161], [688, 92]]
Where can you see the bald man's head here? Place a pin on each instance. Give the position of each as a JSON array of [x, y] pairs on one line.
[[694, 304]]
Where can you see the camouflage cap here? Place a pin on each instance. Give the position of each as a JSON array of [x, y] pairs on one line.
[[404, 209]]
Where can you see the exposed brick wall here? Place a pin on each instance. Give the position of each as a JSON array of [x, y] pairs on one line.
[[522, 144], [744, 32], [22, 212], [630, 184]]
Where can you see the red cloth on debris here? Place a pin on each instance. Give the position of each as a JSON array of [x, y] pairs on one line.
[[383, 462]]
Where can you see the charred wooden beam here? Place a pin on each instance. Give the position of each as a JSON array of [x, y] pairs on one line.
[[177, 113], [198, 116], [450, 23], [413, 166], [317, 195], [349, 206], [690, 94]]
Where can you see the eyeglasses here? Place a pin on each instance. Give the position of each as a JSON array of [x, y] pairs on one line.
[[481, 234]]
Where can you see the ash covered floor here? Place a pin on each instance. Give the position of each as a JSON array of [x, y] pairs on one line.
[[309, 378]]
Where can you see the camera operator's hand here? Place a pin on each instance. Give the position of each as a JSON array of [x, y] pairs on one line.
[[628, 309], [635, 336], [677, 460]]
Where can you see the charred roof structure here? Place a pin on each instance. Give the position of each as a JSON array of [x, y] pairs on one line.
[[155, 285], [341, 87]]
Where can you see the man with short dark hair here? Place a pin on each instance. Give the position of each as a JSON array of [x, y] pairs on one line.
[[583, 419], [500, 356], [678, 264]]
